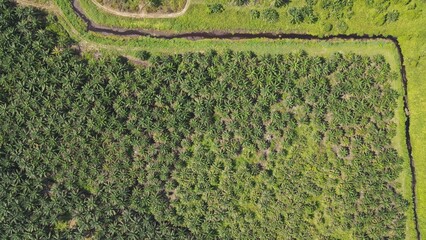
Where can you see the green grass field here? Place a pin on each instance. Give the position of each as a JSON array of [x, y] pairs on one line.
[[365, 20]]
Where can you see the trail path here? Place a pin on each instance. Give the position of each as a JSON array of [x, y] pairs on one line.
[[143, 15], [45, 6]]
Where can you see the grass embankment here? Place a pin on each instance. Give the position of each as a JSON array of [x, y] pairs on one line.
[[365, 19], [408, 29], [416, 72]]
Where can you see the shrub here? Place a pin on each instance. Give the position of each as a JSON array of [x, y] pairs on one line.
[[241, 2], [380, 20], [412, 6], [310, 17], [271, 15], [254, 14], [392, 16], [303, 14], [280, 3], [215, 8], [369, 3], [343, 152], [342, 26], [381, 6], [143, 55], [337, 5], [311, 2], [295, 15], [327, 27], [308, 14], [154, 3]]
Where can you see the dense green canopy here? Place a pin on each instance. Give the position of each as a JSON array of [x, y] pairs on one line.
[[229, 145]]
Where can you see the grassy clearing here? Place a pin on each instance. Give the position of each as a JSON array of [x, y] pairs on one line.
[[416, 73], [364, 20], [400, 144], [262, 46]]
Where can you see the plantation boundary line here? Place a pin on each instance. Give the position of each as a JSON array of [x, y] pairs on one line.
[[90, 26]]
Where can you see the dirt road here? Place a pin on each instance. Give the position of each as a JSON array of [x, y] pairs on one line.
[[143, 15]]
